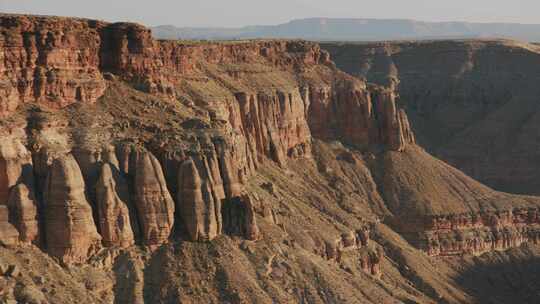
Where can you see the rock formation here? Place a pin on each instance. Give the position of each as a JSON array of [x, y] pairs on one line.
[[155, 206], [199, 209], [15, 166], [70, 230], [359, 117], [9, 235], [55, 62], [482, 232], [112, 198], [257, 154], [477, 118], [275, 124], [24, 213]]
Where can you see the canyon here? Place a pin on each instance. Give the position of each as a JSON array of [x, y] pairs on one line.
[[471, 102], [153, 171]]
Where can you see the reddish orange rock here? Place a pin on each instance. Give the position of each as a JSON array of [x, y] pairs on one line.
[[70, 230], [154, 204], [24, 213], [359, 116], [55, 62], [275, 124], [15, 166], [198, 206], [113, 214], [8, 233]]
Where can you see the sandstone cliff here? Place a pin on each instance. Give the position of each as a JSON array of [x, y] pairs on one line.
[[472, 103], [242, 171], [70, 231], [250, 123]]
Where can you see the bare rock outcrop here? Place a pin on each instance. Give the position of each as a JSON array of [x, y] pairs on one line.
[[112, 197], [239, 217], [394, 128], [54, 62], [8, 233], [275, 124], [154, 204], [15, 166], [198, 206], [477, 233], [70, 231], [24, 213], [359, 116]]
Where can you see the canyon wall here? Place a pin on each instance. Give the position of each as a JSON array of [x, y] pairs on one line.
[[72, 192], [240, 171], [139, 141], [472, 103]]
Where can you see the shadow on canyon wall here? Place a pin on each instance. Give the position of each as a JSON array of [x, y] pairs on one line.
[[503, 278]]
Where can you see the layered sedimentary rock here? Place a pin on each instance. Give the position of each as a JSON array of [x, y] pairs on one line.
[[208, 182], [472, 103], [477, 233], [15, 165], [359, 116], [53, 62], [24, 213], [154, 204], [155, 66], [369, 257], [70, 231], [112, 198], [442, 219], [16, 187], [200, 210], [9, 234], [275, 124]]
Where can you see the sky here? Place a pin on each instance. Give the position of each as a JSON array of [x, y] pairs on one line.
[[235, 13]]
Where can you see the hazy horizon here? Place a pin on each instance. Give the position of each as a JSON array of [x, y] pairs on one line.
[[237, 13]]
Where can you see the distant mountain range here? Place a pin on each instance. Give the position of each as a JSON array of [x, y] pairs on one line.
[[334, 29]]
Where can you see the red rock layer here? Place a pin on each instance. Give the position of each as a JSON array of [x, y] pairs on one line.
[[275, 124], [9, 235], [208, 181], [53, 61], [198, 206], [157, 65], [15, 166], [154, 204], [59, 61], [16, 188], [113, 213], [70, 231], [481, 232], [359, 116], [358, 240], [24, 213]]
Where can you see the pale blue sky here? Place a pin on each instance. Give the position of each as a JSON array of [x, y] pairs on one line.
[[249, 12]]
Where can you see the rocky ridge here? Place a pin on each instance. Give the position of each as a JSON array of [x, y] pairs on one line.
[[472, 103], [181, 159], [119, 196]]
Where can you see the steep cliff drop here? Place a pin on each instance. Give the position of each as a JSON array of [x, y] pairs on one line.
[[472, 103], [239, 172]]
